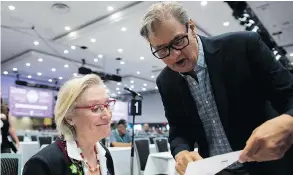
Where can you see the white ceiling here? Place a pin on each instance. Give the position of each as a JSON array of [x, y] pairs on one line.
[[93, 20], [276, 16]]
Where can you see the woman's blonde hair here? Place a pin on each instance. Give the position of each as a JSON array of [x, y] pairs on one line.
[[67, 97]]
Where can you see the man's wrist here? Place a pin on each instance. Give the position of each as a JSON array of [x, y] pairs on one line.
[[288, 119]]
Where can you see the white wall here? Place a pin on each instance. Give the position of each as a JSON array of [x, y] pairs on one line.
[[152, 110]]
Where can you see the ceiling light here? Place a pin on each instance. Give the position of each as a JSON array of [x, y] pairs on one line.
[[73, 34], [156, 87], [113, 95], [123, 29], [152, 76], [67, 28], [122, 62], [50, 80], [5, 72], [40, 59], [131, 81], [93, 40], [75, 74], [131, 86], [141, 58], [278, 57], [138, 72], [203, 3], [107, 90], [119, 92], [73, 47], [120, 50], [66, 65], [117, 89], [291, 54], [53, 69], [226, 23], [11, 7], [145, 84], [39, 73], [60, 78], [14, 69], [36, 43], [118, 84], [144, 89], [29, 76], [96, 60], [100, 56], [66, 51], [28, 64], [110, 8]]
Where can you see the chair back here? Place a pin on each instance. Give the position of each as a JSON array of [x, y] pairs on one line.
[[34, 138], [142, 150], [20, 138], [11, 164], [45, 140], [161, 144]]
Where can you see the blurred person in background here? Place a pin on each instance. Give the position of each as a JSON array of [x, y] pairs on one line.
[[83, 118], [6, 130], [221, 84], [145, 130], [120, 137]]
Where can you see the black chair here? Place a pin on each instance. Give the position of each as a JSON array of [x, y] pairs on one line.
[[161, 144], [20, 138], [45, 140], [11, 164], [34, 138], [142, 150]]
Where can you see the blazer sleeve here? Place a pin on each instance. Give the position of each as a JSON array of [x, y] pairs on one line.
[[37, 165], [277, 82], [178, 140]]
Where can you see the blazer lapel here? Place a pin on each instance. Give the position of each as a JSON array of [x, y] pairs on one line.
[[214, 61]]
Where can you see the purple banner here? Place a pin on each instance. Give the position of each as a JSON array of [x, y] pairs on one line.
[[26, 101]]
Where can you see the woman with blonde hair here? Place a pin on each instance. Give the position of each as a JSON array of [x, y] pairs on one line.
[[83, 118]]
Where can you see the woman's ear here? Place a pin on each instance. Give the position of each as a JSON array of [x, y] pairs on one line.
[[69, 120]]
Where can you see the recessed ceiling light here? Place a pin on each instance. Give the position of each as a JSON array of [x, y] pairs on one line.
[[39, 73], [156, 87], [118, 84], [53, 69], [50, 80], [137, 72], [144, 89], [117, 89], [123, 29], [29, 76], [145, 84], [152, 76], [40, 59], [141, 58], [119, 92], [120, 50], [14, 69], [278, 57], [60, 78], [67, 28], [203, 3], [75, 74], [110, 8], [11, 7], [100, 56], [5, 72], [66, 65], [131, 81], [122, 62], [73, 47], [291, 54], [96, 60], [226, 23], [36, 43], [131, 86], [28, 64], [93, 40], [66, 51], [73, 34]]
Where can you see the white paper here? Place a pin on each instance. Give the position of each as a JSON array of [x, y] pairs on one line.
[[212, 165]]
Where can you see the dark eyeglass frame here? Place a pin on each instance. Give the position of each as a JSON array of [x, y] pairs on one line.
[[92, 107], [170, 45]]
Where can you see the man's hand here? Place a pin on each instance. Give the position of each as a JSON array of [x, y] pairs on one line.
[[183, 158], [269, 141]]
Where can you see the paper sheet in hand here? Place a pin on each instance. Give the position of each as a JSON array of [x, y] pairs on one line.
[[212, 165]]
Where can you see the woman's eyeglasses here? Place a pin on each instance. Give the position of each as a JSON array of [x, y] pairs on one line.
[[99, 108]]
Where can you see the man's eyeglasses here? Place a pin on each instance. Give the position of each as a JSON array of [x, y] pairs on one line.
[[99, 108], [177, 44]]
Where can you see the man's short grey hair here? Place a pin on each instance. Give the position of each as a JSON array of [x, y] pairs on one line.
[[159, 12]]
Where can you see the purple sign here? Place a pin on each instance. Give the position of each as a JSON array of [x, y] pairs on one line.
[[25, 101]]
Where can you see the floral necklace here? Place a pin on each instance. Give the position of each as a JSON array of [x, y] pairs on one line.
[[93, 170]]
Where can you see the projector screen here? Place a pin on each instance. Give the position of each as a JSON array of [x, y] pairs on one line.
[[26, 101], [120, 111]]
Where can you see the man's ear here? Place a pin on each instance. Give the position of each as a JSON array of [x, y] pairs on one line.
[[192, 27]]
